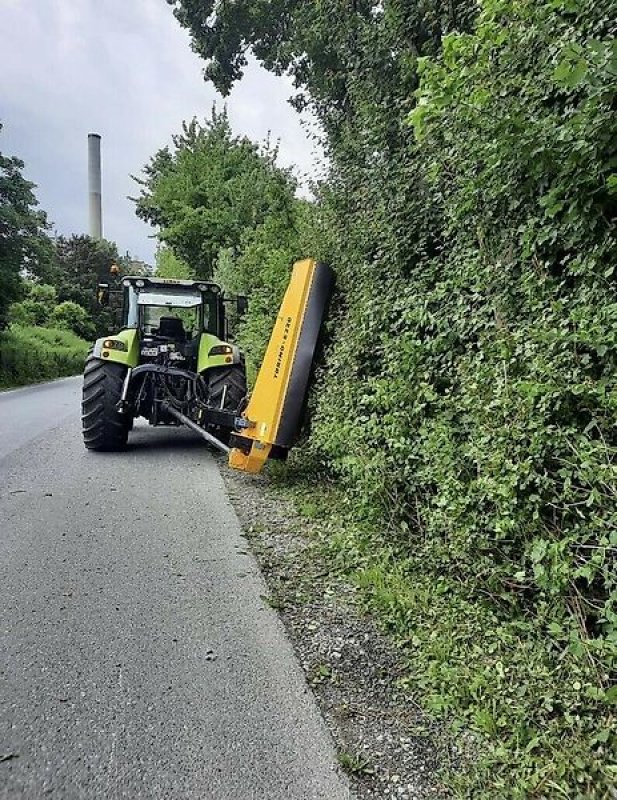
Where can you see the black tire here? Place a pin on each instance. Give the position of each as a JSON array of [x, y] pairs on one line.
[[233, 398], [103, 427], [234, 378]]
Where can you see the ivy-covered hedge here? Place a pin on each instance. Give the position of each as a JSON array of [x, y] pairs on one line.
[[470, 395], [465, 411], [517, 322]]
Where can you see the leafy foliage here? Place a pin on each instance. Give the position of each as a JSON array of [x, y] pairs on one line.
[[36, 307], [41, 308], [261, 271], [526, 302], [467, 403], [72, 317], [212, 187], [169, 265], [24, 244], [31, 354]]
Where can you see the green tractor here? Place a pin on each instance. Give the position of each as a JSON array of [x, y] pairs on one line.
[[170, 363]]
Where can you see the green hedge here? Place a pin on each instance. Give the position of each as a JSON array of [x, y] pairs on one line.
[[469, 400], [466, 410], [31, 354]]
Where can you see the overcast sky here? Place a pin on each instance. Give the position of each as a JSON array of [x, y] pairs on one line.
[[124, 69]]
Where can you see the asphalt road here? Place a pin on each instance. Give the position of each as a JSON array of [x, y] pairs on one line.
[[138, 658]]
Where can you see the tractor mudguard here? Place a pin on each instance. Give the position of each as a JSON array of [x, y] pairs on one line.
[[274, 413], [213, 352], [122, 348]]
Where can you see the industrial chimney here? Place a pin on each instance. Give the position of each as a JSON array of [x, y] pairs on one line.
[[94, 185]]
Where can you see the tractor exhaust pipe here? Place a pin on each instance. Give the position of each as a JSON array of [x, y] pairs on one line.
[[94, 186]]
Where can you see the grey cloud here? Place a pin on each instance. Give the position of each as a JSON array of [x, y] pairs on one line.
[[124, 70]]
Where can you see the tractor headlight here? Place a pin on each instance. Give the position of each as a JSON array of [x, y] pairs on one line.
[[221, 350], [114, 344]]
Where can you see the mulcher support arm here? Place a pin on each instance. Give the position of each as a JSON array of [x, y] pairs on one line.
[[274, 413]]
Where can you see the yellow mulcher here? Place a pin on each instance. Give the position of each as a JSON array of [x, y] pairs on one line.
[[274, 411]]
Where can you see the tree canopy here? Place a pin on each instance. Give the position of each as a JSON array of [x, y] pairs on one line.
[[209, 188], [24, 243], [169, 265]]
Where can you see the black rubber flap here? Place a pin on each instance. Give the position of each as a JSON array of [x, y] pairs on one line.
[[295, 397]]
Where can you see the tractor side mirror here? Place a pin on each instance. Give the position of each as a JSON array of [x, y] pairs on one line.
[[102, 294], [242, 305]]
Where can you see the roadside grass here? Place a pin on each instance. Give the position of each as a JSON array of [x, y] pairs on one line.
[[531, 708], [355, 764], [31, 354]]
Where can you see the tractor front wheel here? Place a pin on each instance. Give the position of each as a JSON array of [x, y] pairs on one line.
[[103, 427]]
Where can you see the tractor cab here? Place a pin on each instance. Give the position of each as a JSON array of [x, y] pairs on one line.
[[197, 305], [169, 319], [171, 316]]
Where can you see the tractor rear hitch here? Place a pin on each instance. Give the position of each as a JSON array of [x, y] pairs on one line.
[[207, 415]]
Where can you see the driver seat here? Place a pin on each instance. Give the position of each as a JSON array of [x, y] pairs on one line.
[[171, 328]]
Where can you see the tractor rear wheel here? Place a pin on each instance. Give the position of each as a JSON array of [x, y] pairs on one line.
[[227, 387], [103, 427]]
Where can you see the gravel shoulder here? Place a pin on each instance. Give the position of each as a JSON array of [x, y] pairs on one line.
[[387, 745]]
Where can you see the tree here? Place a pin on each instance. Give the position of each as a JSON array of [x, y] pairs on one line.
[[83, 263], [211, 187], [24, 243], [72, 317], [36, 307], [40, 308], [170, 266]]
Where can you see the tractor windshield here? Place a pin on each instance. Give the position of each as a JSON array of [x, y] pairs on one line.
[[173, 321], [180, 316]]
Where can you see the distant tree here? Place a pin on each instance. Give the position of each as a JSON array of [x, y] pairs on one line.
[[43, 293], [73, 317], [169, 265], [21, 313], [206, 191], [36, 307], [24, 243], [40, 308], [83, 263]]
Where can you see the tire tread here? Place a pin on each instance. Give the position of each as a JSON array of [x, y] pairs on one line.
[[102, 426]]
